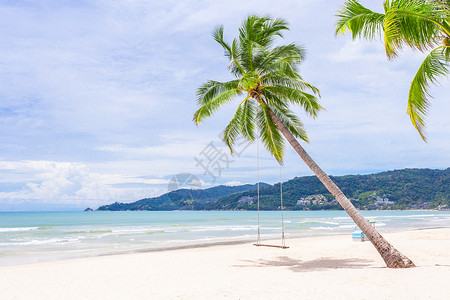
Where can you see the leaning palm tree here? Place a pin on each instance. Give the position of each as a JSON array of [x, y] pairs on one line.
[[267, 83], [419, 24]]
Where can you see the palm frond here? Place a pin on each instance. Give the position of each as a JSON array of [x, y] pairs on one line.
[[294, 96], [262, 30], [280, 78], [271, 29], [255, 36], [211, 89], [241, 123], [392, 37], [229, 51], [207, 109], [415, 23], [248, 120], [233, 129], [287, 117], [280, 57], [435, 64], [269, 133], [218, 37], [360, 21], [235, 65]]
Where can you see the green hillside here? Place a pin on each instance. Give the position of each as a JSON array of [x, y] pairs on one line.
[[399, 189], [182, 199]]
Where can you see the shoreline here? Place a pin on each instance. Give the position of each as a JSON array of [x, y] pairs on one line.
[[211, 210], [321, 267], [215, 244]]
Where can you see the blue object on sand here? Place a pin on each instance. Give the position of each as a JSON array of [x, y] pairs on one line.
[[358, 235]]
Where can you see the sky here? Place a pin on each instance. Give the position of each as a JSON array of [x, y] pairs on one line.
[[97, 98]]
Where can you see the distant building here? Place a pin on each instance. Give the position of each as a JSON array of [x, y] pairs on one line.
[[381, 201], [246, 200], [312, 200], [303, 203]]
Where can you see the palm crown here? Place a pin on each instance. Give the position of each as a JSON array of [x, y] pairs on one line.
[[267, 80], [419, 24]]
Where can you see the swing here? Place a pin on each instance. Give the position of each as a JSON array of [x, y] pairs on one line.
[[258, 238]]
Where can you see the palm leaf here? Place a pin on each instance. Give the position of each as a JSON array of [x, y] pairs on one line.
[[212, 88], [269, 133], [233, 129], [435, 64], [295, 96], [287, 117], [207, 109], [414, 23], [360, 21], [218, 37], [296, 82], [248, 120], [283, 58], [229, 51], [270, 30]]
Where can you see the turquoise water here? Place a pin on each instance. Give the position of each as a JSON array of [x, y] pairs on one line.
[[43, 236]]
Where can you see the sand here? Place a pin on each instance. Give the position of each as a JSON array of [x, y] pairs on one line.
[[332, 267]]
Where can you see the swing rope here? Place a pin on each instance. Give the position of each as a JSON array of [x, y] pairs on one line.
[[283, 244], [258, 237]]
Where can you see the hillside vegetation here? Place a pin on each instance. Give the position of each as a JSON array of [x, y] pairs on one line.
[[399, 189]]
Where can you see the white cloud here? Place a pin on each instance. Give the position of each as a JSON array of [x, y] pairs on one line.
[[98, 97], [71, 183], [357, 51]]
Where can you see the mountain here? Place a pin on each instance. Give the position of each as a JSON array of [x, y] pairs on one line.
[[182, 199], [399, 189]]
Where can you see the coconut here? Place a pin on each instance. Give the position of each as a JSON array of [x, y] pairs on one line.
[[447, 41]]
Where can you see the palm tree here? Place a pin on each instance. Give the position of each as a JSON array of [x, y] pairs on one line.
[[419, 24], [267, 82]]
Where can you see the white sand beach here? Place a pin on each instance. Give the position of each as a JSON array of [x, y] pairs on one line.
[[331, 267]]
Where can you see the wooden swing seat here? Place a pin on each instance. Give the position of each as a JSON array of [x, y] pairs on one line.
[[273, 246]]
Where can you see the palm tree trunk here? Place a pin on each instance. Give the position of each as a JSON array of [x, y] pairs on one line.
[[392, 257]]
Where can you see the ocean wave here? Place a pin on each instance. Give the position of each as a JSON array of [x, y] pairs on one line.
[[210, 239], [156, 232], [414, 216], [224, 228], [347, 226], [323, 228], [143, 229], [312, 222], [15, 229], [35, 242], [89, 231]]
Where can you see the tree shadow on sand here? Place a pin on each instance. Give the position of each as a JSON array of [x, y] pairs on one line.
[[320, 264]]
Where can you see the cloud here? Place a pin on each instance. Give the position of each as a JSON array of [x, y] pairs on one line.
[[358, 50], [98, 97], [71, 183]]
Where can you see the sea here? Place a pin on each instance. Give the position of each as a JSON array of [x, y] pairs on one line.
[[32, 237]]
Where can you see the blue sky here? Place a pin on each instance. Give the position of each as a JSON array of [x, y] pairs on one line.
[[97, 97]]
